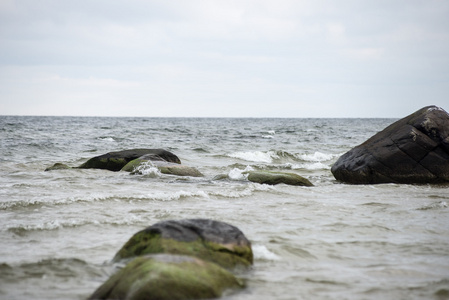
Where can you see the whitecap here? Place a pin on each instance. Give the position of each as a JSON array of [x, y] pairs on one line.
[[261, 252], [238, 174], [308, 166], [177, 195], [255, 156], [147, 169], [107, 139], [316, 157]]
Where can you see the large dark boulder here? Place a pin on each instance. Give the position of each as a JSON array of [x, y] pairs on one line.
[[115, 161], [206, 239], [167, 277], [414, 149]]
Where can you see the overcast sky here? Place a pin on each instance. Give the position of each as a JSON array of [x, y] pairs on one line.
[[206, 58]]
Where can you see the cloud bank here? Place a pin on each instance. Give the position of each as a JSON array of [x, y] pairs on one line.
[[204, 58]]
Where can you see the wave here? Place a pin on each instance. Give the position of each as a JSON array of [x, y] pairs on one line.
[[48, 271], [239, 174], [255, 156], [262, 253], [308, 166], [161, 196], [107, 139], [435, 205], [59, 224], [158, 196], [317, 157], [147, 169], [280, 156], [247, 191]]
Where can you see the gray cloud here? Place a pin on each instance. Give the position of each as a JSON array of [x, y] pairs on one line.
[[223, 58]]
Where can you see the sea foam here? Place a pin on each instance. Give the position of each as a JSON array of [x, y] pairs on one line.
[[261, 252], [316, 157], [239, 174], [255, 156]]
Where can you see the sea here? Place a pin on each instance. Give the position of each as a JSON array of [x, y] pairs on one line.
[[59, 230]]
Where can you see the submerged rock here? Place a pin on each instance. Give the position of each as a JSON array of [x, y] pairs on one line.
[[273, 178], [414, 149], [167, 277], [115, 161], [206, 239], [58, 166], [138, 165]]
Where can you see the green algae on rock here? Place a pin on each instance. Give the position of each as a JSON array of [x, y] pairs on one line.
[[115, 161], [163, 276], [209, 240], [273, 178]]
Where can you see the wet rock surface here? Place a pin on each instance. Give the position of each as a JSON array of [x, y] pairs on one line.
[[115, 161], [138, 166], [273, 178], [167, 277], [206, 239], [414, 149]]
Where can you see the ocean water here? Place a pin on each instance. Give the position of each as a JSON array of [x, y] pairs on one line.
[[60, 229]]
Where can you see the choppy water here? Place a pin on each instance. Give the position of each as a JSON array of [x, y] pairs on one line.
[[331, 241]]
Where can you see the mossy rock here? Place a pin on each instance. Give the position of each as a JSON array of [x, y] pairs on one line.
[[58, 166], [115, 161], [273, 178], [181, 170], [137, 165], [170, 277], [209, 240]]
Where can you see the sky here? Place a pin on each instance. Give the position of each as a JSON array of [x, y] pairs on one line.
[[208, 58]]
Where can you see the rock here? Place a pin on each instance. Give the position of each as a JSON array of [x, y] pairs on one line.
[[58, 166], [414, 149], [115, 161], [138, 165], [206, 239], [273, 178], [167, 277]]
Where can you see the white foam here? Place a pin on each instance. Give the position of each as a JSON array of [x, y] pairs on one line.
[[177, 195], [270, 135], [238, 174], [255, 156], [261, 252], [309, 166], [58, 224], [316, 157], [107, 139], [147, 169]]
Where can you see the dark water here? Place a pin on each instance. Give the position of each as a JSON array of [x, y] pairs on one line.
[[59, 229]]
